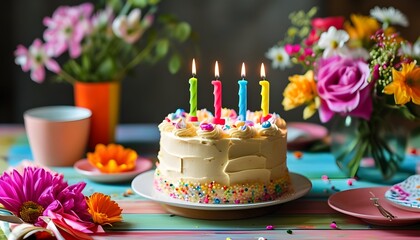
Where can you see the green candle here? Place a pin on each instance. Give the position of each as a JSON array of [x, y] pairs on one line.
[[193, 94]]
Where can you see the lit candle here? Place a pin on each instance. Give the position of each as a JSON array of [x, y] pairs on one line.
[[242, 95], [217, 97], [193, 94], [265, 93]]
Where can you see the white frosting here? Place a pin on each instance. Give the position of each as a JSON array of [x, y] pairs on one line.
[[216, 133], [244, 154], [166, 126], [243, 132]]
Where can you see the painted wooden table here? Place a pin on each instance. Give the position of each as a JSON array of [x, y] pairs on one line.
[[306, 218]]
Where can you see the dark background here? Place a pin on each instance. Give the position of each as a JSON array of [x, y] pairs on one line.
[[230, 32]]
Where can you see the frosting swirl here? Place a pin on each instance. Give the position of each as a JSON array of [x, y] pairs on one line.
[[215, 133], [187, 130], [166, 126], [243, 132], [268, 129]]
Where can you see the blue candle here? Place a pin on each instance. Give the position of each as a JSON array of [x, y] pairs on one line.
[[242, 95]]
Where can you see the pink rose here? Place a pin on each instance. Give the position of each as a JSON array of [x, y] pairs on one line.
[[322, 24], [343, 87]]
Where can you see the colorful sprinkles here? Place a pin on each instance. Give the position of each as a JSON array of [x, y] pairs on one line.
[[334, 225], [215, 193], [270, 227]]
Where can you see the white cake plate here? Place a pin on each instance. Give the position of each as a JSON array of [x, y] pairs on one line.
[[143, 185]]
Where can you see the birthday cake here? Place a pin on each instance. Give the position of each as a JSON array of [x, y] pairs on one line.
[[238, 162]]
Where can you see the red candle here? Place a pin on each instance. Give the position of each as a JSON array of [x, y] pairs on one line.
[[217, 97]]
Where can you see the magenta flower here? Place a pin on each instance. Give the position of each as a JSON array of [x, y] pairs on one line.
[[36, 192], [292, 48], [35, 59], [343, 88], [67, 28]]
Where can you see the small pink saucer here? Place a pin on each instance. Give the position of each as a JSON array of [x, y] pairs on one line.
[[86, 169], [356, 202], [312, 132]]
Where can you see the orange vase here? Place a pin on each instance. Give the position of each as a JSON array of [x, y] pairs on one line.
[[103, 99]]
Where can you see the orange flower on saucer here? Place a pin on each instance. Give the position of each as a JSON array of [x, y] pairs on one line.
[[113, 158]]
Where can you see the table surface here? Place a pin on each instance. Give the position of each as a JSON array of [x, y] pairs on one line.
[[308, 217]]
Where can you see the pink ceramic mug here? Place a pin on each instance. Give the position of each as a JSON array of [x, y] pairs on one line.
[[57, 135]]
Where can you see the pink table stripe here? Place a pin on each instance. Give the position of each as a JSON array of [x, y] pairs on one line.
[[300, 206]]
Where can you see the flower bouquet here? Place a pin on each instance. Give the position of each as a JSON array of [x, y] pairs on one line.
[[362, 70], [45, 206], [103, 45]]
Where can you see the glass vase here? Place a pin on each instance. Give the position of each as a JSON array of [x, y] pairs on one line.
[[370, 150]]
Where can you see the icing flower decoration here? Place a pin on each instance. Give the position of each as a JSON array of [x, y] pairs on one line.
[[113, 158]]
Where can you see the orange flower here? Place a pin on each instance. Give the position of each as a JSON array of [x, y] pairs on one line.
[[362, 29], [301, 90], [104, 211], [113, 158], [405, 84]]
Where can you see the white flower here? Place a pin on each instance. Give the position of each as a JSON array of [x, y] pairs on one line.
[[333, 41], [411, 49], [128, 27], [357, 53], [389, 16], [279, 57]]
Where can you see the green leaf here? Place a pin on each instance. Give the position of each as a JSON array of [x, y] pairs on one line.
[[154, 2], [174, 63], [182, 31], [115, 4], [139, 3], [312, 12], [355, 163], [106, 68], [407, 113], [86, 63], [162, 47]]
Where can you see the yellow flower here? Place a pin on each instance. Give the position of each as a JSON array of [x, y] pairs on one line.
[[301, 90], [362, 29], [405, 84], [113, 158], [104, 211]]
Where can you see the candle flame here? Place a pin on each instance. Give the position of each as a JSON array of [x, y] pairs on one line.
[[262, 71], [216, 70], [194, 71], [243, 70]]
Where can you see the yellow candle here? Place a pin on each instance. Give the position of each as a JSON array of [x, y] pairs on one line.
[[265, 92]]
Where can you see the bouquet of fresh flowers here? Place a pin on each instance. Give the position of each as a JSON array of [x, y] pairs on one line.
[[362, 68], [46, 206], [103, 45]]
